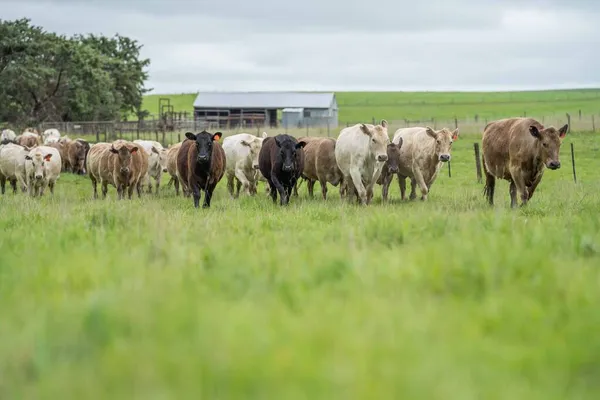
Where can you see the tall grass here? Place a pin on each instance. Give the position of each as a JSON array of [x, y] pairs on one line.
[[445, 299]]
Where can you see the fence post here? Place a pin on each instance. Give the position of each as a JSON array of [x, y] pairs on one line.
[[569, 122], [477, 161], [593, 124], [449, 170], [573, 162], [580, 114], [455, 123]]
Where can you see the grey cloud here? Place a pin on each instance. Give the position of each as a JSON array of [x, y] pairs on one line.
[[341, 45]]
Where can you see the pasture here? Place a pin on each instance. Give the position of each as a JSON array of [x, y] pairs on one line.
[[445, 299], [443, 106]]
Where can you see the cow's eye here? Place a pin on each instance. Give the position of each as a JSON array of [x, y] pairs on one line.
[[438, 142], [545, 144]]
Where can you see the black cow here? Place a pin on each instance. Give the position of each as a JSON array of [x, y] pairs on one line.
[[201, 164], [281, 161]]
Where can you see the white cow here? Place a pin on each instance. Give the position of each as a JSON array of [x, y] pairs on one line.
[[241, 153], [360, 152], [423, 152], [12, 166], [42, 169], [7, 135], [157, 162], [51, 135]]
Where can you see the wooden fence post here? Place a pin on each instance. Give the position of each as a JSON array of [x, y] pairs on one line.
[[449, 170], [573, 162], [593, 124], [569, 122], [455, 123], [477, 161]]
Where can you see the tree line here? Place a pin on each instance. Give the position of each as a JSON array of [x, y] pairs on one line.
[[49, 77]]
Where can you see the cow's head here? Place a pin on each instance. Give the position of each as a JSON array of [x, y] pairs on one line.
[[162, 158], [204, 144], [549, 141], [254, 145], [443, 142], [124, 154], [38, 161], [393, 153], [288, 150], [378, 139]]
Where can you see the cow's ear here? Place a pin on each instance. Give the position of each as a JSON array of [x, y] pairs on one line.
[[365, 129], [47, 157], [534, 132], [562, 132], [245, 143], [190, 136], [154, 150], [431, 132], [400, 143], [133, 150], [113, 150], [300, 145], [217, 136], [277, 141], [384, 123], [455, 134], [264, 135], [28, 157]]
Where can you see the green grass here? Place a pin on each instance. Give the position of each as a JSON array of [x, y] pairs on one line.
[[448, 299], [361, 106]]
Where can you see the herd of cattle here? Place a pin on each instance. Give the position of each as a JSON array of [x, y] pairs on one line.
[[515, 149]]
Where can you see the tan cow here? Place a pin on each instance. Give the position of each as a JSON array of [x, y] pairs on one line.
[[12, 166], [121, 164], [360, 152], [518, 150], [28, 140], [172, 169], [422, 155], [42, 169], [320, 165]]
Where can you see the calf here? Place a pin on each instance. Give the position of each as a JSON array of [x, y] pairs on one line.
[[12, 166], [360, 152], [201, 164], [241, 152], [422, 155], [390, 168], [119, 164], [157, 162], [76, 154], [42, 169], [320, 165], [281, 161], [518, 150]]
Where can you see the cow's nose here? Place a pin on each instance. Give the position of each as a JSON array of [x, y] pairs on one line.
[[445, 157], [38, 177], [554, 165], [393, 169], [203, 158], [382, 157], [287, 168], [124, 170], [164, 170]]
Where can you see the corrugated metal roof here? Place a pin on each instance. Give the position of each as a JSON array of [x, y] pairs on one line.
[[263, 100]]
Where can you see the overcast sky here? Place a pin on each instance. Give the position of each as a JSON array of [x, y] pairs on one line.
[[344, 44]]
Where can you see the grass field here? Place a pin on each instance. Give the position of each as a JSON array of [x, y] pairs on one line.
[[362, 106], [448, 299]]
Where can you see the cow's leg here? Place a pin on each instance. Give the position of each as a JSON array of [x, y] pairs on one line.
[[43, 187], [295, 188], [490, 186], [282, 191], [421, 183], [157, 182], [195, 190], [534, 186], [13, 184], [358, 185], [241, 176], [323, 184], [51, 187], [413, 189], [273, 191], [519, 182], [402, 184], [104, 189], [176, 184], [513, 194], [230, 177], [94, 186], [136, 186], [238, 186], [120, 190], [310, 184], [30, 187], [208, 195], [3, 184], [387, 180]]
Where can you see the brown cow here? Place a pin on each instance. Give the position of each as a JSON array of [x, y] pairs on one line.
[[63, 154], [76, 153], [320, 165], [390, 168], [518, 150], [27, 141], [172, 153], [120, 164], [201, 164]]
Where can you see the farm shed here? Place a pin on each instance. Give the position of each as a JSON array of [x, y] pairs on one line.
[[298, 109]]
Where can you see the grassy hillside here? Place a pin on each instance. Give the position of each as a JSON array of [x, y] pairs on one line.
[[447, 299], [361, 106]]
